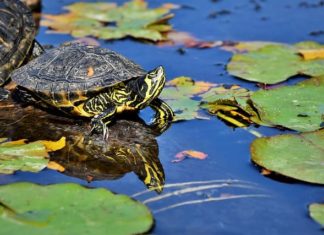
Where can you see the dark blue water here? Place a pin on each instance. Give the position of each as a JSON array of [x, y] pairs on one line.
[[284, 211]]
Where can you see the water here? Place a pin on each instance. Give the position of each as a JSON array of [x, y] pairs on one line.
[[284, 210]]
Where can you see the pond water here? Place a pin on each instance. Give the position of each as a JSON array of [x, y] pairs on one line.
[[283, 209]]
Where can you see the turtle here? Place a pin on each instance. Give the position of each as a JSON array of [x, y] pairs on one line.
[[92, 82], [17, 33]]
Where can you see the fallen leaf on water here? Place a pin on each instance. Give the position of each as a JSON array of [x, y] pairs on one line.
[[55, 166], [188, 40], [109, 21], [189, 154]]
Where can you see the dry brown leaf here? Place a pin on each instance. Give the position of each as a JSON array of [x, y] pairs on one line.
[[191, 154]]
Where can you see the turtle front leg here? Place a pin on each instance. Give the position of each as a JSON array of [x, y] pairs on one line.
[[100, 122], [163, 115]]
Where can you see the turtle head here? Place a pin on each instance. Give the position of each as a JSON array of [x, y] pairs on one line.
[[150, 85]]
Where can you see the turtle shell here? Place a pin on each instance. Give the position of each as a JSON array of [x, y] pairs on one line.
[[17, 31], [76, 67]]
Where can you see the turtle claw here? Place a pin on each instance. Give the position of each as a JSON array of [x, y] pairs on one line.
[[105, 132], [99, 126]]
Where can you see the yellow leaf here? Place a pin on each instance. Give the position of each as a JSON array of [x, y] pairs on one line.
[[55, 166], [54, 145], [312, 54], [11, 143]]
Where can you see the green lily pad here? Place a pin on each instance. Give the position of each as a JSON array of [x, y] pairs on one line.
[[317, 212], [69, 209], [183, 95], [31, 157], [109, 21], [274, 63], [299, 107], [297, 156]]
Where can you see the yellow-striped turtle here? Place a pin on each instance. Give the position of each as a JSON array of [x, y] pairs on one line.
[[17, 33], [92, 82]]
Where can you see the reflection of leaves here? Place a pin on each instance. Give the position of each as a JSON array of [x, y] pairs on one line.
[[301, 105], [70, 208], [108, 21], [17, 155], [275, 63], [317, 212], [297, 156]]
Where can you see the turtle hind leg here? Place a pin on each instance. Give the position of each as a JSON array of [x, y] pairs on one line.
[[23, 97], [163, 115], [4, 94], [101, 121]]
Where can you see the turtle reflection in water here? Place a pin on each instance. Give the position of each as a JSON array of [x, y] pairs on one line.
[[132, 145]]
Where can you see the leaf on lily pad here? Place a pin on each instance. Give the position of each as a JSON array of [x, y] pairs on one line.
[[301, 106], [275, 63], [312, 54], [69, 209], [297, 156], [240, 47], [182, 94], [316, 211], [33, 157], [109, 21]]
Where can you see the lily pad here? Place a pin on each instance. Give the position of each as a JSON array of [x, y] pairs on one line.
[[297, 156], [109, 21], [33, 157], [317, 212], [69, 209], [301, 106], [183, 95], [274, 63]]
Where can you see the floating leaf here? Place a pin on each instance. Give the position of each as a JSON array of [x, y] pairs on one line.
[[317, 212], [108, 21], [301, 105], [297, 156], [69, 209], [274, 63], [191, 154], [33, 157]]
